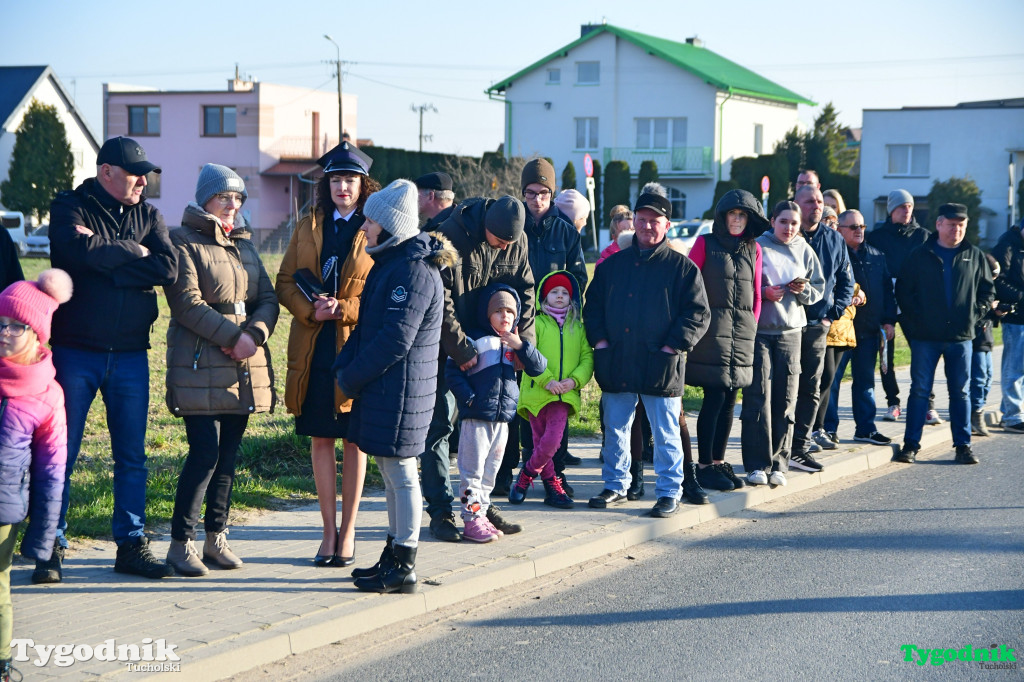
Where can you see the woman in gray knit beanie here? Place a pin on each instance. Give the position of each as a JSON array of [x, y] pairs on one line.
[[392, 216]]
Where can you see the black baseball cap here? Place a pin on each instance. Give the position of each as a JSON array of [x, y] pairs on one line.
[[345, 158], [435, 181], [655, 202], [126, 153], [954, 211]]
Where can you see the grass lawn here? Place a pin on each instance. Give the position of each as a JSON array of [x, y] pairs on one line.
[[273, 467]]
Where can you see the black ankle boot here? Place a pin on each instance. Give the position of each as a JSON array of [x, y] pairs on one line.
[[636, 487], [692, 491], [385, 559], [398, 576]]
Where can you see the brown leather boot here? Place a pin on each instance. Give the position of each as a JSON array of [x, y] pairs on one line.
[[184, 559], [217, 551]]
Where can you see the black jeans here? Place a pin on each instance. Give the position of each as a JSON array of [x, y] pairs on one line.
[[828, 373], [812, 361], [209, 473], [714, 423], [435, 465]]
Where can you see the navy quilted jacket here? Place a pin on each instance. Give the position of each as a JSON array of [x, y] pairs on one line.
[[389, 363]]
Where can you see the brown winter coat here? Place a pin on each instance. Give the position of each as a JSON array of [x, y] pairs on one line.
[[216, 269], [304, 252], [841, 332]]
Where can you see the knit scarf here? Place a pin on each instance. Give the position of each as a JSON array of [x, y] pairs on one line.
[[18, 380], [558, 313]]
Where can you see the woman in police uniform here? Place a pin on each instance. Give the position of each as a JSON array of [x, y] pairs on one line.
[[329, 248]]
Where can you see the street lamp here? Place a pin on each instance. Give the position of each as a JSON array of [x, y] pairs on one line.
[[337, 64]]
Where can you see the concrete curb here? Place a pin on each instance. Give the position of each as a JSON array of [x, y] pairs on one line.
[[245, 652]]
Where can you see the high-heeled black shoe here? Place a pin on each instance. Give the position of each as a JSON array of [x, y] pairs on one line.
[[343, 561], [323, 560]]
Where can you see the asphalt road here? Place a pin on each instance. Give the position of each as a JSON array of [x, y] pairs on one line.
[[807, 588]]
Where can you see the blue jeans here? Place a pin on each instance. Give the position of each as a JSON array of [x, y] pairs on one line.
[[123, 380], [981, 378], [663, 413], [924, 359], [1011, 373], [863, 358]]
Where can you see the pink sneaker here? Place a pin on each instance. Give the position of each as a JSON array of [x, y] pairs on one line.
[[478, 530], [494, 529]]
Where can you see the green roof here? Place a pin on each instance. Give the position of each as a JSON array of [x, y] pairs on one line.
[[701, 62]]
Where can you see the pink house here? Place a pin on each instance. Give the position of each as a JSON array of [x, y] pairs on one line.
[[269, 134]]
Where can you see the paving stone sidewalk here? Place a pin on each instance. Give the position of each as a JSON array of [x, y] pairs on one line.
[[280, 604]]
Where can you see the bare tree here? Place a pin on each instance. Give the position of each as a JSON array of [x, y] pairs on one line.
[[490, 176]]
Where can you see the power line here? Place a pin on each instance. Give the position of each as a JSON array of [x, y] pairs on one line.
[[888, 62], [419, 92]]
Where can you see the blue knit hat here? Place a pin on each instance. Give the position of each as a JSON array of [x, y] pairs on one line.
[[214, 179]]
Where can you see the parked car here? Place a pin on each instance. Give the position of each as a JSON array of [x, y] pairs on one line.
[[687, 231], [14, 223], [37, 243]]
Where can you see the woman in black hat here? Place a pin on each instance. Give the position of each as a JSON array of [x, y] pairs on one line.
[[327, 253]]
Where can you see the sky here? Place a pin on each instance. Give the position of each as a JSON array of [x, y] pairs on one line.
[[867, 54]]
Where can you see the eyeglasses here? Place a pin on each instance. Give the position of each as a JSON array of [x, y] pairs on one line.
[[225, 198], [14, 329], [530, 194], [854, 227]]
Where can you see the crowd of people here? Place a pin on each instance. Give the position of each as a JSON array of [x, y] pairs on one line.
[[412, 315]]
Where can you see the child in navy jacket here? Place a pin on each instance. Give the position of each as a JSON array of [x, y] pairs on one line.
[[487, 394]]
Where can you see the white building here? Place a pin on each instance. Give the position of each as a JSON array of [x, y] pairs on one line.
[[626, 96], [19, 85], [911, 148]]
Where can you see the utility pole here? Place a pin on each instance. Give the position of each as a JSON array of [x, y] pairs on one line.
[[421, 109], [337, 65]]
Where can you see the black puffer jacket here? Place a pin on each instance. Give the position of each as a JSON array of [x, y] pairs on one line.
[[489, 390], [1009, 253], [834, 257], [920, 293], [555, 245], [870, 272], [480, 264], [896, 242], [389, 363], [724, 356], [638, 302], [114, 305]]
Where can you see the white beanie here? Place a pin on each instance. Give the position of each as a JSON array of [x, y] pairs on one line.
[[395, 209], [573, 204]]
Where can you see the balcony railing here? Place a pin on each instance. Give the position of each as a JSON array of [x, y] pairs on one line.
[[689, 160]]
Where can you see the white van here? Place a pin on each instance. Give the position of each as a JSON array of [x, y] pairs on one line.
[[14, 223]]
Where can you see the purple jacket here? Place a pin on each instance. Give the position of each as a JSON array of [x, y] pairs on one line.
[[33, 451]]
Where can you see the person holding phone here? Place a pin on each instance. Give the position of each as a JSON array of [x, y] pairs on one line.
[[791, 279], [328, 246]]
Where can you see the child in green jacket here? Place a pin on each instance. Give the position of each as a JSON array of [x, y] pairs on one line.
[[550, 399]]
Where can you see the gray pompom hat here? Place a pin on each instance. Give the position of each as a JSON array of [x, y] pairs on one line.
[[395, 209], [214, 179]]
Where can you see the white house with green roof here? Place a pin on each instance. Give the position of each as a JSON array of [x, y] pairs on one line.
[[626, 96]]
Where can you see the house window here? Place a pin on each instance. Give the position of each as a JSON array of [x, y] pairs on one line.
[[588, 73], [153, 185], [144, 120], [586, 133], [758, 138], [554, 76], [908, 159], [219, 121], [660, 133], [678, 201]]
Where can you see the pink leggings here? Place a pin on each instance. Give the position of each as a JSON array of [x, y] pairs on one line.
[[548, 427]]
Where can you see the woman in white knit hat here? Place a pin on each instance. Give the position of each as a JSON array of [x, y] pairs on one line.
[[389, 366]]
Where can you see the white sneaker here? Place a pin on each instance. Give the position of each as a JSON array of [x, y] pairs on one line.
[[777, 478], [932, 418], [892, 414], [813, 446], [757, 477]]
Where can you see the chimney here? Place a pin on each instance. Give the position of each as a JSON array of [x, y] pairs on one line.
[[316, 132], [695, 41]]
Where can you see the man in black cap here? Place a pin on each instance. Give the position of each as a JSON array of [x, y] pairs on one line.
[[435, 199], [944, 288], [645, 309], [488, 236], [116, 249]]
